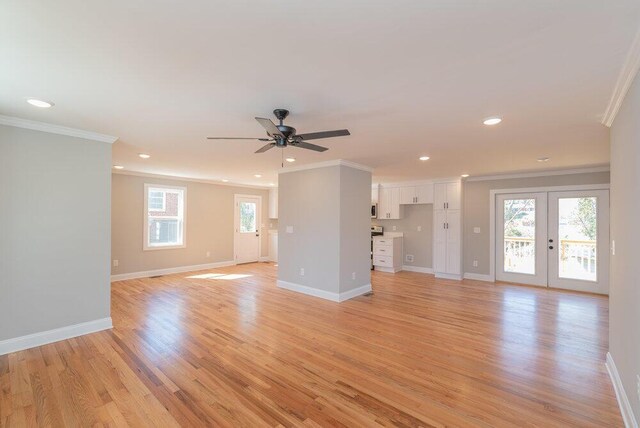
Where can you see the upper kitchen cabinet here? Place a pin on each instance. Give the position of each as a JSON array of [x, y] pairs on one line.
[[389, 203], [375, 189], [273, 203], [412, 195], [447, 196]]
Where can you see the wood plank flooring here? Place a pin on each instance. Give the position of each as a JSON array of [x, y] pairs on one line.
[[226, 347]]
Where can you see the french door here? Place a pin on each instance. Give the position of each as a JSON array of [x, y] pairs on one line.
[[247, 228], [554, 239]]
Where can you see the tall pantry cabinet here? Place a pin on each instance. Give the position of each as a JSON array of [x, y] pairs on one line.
[[447, 230]]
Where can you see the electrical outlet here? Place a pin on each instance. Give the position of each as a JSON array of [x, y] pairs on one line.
[[301, 271], [475, 263], [208, 253], [353, 275], [394, 227], [408, 257], [116, 263]]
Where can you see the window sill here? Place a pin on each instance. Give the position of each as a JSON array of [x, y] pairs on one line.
[[163, 247]]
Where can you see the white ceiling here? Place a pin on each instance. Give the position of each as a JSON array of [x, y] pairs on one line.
[[407, 78]]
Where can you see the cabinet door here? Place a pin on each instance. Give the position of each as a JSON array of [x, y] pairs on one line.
[[439, 241], [453, 196], [453, 242], [439, 196], [408, 195], [424, 194], [394, 202], [383, 203], [273, 203], [374, 194]]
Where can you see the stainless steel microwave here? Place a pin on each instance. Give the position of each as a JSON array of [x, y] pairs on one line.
[[374, 210]]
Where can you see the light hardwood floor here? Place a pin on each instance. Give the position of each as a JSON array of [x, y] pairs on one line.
[[231, 349]]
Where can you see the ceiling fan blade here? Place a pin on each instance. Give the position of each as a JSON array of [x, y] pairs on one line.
[[324, 134], [238, 138], [265, 147], [310, 146], [269, 126]]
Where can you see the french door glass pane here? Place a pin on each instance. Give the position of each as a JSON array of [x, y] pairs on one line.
[[247, 217], [520, 236], [577, 232]]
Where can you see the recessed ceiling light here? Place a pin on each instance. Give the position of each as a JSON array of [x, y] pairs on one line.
[[492, 121], [144, 155], [464, 175], [542, 159], [258, 175], [118, 167], [424, 158], [39, 103], [290, 159], [224, 180], [272, 184]]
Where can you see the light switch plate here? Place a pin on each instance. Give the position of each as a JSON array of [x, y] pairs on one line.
[[419, 228], [394, 227], [476, 230], [475, 263], [289, 229], [116, 263]]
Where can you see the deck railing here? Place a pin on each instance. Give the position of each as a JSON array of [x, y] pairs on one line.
[[574, 253]]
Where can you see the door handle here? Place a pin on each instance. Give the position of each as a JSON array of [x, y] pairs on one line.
[[551, 247], [550, 240]]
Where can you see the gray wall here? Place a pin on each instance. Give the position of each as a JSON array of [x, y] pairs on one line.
[[309, 201], [55, 231], [355, 228], [328, 209], [419, 244], [624, 297], [210, 224], [476, 210]]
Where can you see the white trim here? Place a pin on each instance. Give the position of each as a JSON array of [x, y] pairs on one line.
[[623, 401], [236, 225], [492, 212], [327, 295], [549, 173], [45, 337], [169, 271], [477, 277], [418, 269], [337, 162], [387, 269], [448, 276], [625, 79], [187, 179], [264, 259], [56, 129], [145, 230]]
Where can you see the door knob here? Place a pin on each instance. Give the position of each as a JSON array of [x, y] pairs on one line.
[[550, 240], [551, 247]]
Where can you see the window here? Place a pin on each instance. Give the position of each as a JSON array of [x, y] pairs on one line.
[[248, 217], [164, 217]]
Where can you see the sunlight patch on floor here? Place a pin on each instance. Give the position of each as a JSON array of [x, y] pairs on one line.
[[227, 276]]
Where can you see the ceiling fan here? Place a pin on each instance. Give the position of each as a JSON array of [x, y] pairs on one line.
[[283, 135]]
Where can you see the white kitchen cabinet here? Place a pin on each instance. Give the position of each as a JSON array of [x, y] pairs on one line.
[[273, 246], [387, 253], [447, 230], [375, 190], [389, 203], [412, 195], [447, 196], [273, 203]]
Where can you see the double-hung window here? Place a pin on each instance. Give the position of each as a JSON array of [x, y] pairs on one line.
[[164, 217]]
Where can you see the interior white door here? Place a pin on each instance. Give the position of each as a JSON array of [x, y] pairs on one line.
[[247, 228], [578, 241], [521, 237]]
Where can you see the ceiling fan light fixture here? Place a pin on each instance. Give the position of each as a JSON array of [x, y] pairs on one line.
[[490, 121]]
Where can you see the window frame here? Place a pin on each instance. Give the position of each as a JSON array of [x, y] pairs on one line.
[[145, 231]]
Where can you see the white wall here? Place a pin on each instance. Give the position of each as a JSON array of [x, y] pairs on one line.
[[624, 297], [54, 231]]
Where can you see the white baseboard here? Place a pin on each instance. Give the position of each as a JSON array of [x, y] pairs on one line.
[[387, 269], [419, 269], [55, 335], [623, 401], [478, 277], [264, 259], [168, 271], [327, 295], [448, 276]]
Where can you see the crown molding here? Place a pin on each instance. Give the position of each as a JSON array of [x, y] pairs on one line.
[[56, 129], [337, 162], [188, 180], [625, 79], [604, 168]]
